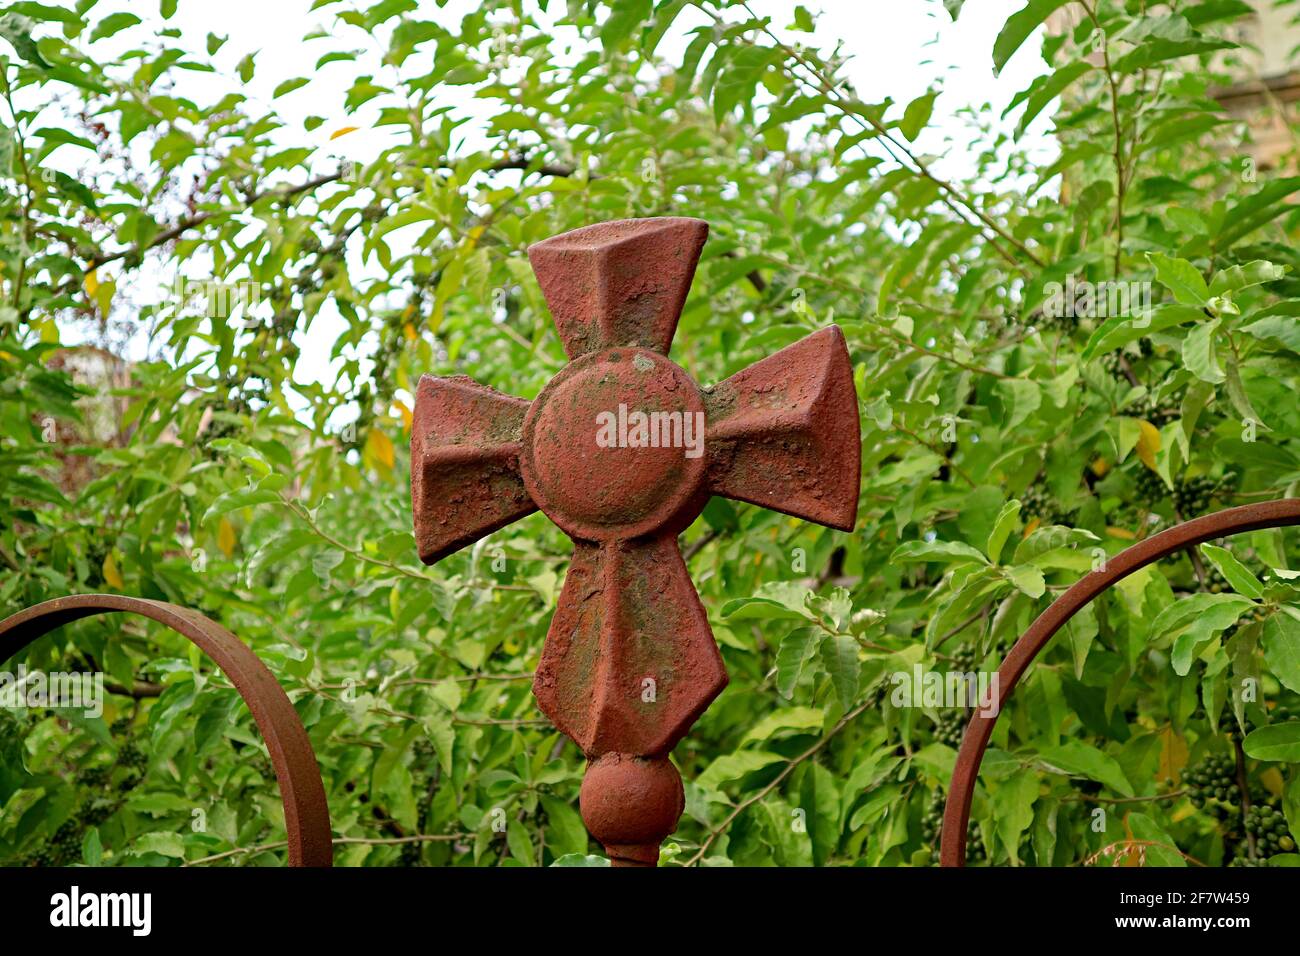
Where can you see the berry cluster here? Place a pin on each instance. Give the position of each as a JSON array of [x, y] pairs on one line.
[[1157, 413], [1269, 828], [1240, 731], [1113, 363], [965, 659], [1214, 778], [932, 819], [133, 758], [950, 727], [62, 848], [96, 778], [1192, 495], [1151, 489], [976, 851], [1064, 323], [1038, 503], [1215, 582]]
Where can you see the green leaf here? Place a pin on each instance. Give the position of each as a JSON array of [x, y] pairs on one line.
[[92, 848], [1013, 809], [565, 833], [1198, 617], [917, 115], [840, 657], [1162, 849], [819, 798], [161, 842], [1199, 353], [113, 23], [240, 498], [1281, 639], [288, 86], [912, 551], [1282, 329], [734, 766], [1084, 760], [578, 859], [1118, 331], [1018, 28], [1159, 50], [520, 843], [802, 720], [1005, 523], [18, 31], [443, 735], [1277, 742], [803, 20], [795, 651], [1256, 209], [1236, 278], [1236, 573], [245, 68], [1027, 578], [624, 17], [1181, 278], [1020, 397], [1039, 94], [777, 600]]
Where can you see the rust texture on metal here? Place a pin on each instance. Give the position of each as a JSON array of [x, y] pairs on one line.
[[956, 817], [306, 813], [622, 450]]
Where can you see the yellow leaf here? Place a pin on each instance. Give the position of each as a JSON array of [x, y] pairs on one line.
[[1173, 755], [112, 575], [226, 540], [1122, 533], [379, 448], [1148, 443], [409, 331], [1032, 526], [407, 417], [343, 131], [1272, 781], [48, 329], [100, 292], [1100, 466]]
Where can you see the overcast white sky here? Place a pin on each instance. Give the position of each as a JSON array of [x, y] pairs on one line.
[[899, 49]]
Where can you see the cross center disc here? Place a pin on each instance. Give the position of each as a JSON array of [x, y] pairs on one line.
[[613, 447]]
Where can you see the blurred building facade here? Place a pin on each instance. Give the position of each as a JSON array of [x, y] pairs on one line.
[[1264, 84]]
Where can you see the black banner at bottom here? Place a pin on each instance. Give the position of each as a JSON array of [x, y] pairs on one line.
[[268, 906]]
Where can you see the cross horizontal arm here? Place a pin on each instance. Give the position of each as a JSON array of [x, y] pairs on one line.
[[465, 480], [784, 432]]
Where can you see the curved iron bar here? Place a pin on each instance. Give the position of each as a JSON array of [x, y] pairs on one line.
[[956, 816], [306, 812]]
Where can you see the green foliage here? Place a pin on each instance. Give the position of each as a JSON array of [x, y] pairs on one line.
[[1052, 361]]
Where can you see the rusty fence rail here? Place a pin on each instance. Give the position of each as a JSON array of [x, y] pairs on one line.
[[961, 791], [306, 812]]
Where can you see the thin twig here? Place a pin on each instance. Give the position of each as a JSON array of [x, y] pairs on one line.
[[337, 841], [789, 768]]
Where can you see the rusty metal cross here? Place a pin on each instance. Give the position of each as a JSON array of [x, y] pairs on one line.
[[622, 450]]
